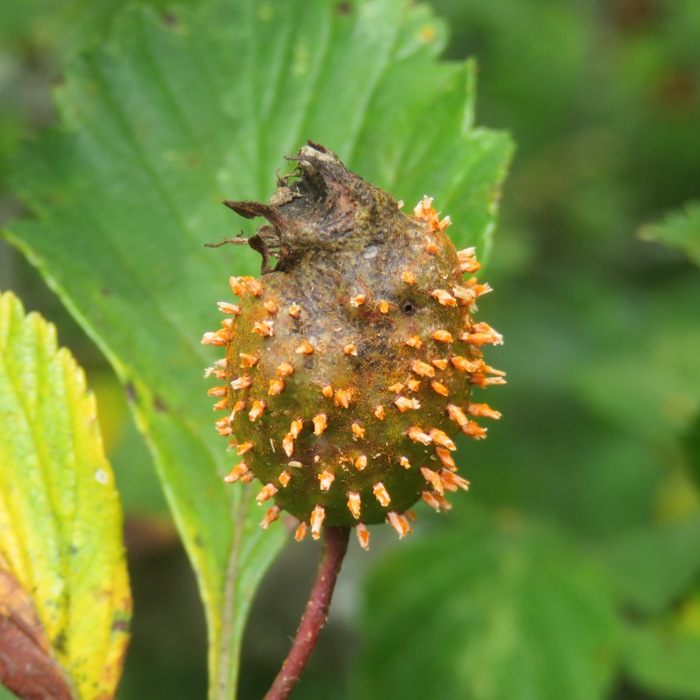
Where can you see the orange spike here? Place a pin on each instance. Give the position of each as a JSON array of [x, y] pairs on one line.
[[404, 404], [482, 334], [284, 478], [431, 247], [440, 364], [361, 462], [220, 405], [270, 307], [320, 423], [474, 430], [276, 387], [236, 473], [396, 388], [381, 494], [295, 427], [467, 260], [247, 477], [358, 431], [478, 289], [443, 297], [403, 461], [429, 498], [288, 444], [434, 479], [256, 411], [240, 405], [270, 517], [267, 492], [284, 370], [238, 286], [384, 306], [399, 523], [325, 479], [350, 349], [327, 391], [254, 286], [294, 310], [444, 503], [227, 308], [217, 338], [408, 277], [482, 410], [440, 438], [483, 381], [263, 328], [244, 447], [379, 411], [318, 514], [414, 341], [417, 435], [453, 481], [442, 336], [300, 534], [440, 388], [362, 536], [422, 369], [354, 504], [457, 415], [413, 384], [248, 360], [343, 397], [223, 426], [243, 382], [465, 295], [304, 349], [357, 300], [445, 457], [465, 365]]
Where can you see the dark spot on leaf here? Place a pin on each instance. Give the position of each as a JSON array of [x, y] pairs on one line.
[[130, 391], [106, 292], [120, 626], [343, 8], [59, 641], [159, 405], [170, 19]]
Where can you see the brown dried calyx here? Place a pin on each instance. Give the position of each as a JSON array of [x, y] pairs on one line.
[[349, 367]]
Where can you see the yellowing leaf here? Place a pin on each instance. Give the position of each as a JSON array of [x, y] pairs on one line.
[[63, 578]]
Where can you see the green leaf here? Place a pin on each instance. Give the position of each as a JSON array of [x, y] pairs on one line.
[[162, 124], [680, 230], [502, 610], [664, 660], [653, 566], [63, 578]]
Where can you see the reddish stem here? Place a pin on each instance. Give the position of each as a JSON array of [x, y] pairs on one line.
[[335, 544]]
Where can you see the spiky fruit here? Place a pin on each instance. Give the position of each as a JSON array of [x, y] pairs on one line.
[[349, 367]]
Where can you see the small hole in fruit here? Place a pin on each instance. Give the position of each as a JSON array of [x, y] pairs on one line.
[[408, 307]]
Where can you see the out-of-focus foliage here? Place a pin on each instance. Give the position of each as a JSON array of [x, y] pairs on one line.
[[600, 437], [65, 602]]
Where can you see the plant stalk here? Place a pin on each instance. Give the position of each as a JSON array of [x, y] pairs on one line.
[[335, 544]]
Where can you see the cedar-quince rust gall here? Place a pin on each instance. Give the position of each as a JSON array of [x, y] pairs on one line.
[[350, 366]]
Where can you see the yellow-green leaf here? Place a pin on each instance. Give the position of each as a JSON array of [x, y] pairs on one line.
[[61, 556]]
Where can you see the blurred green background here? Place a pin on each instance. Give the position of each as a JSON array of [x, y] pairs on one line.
[[577, 553]]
